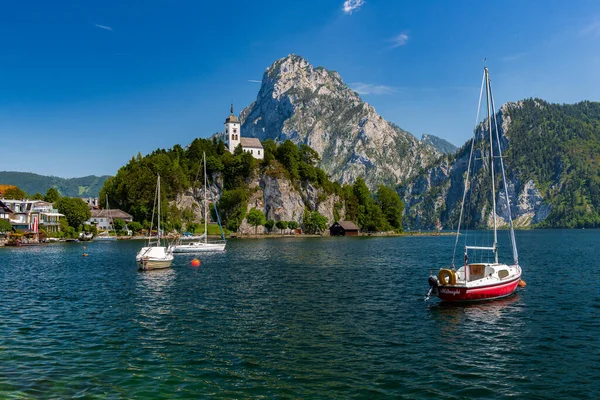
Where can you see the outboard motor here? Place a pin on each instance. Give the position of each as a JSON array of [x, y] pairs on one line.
[[433, 285]]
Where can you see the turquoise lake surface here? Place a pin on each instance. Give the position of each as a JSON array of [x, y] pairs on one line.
[[297, 318]]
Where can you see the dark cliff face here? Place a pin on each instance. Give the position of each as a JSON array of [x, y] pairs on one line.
[[551, 155], [315, 107]]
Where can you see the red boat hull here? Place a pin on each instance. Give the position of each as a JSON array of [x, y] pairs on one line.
[[461, 293]]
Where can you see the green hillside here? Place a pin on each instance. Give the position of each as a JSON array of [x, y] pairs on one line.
[[552, 158], [87, 186]]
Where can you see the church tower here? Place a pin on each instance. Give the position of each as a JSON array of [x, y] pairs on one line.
[[232, 131]]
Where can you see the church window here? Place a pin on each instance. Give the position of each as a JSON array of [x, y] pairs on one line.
[[234, 130]]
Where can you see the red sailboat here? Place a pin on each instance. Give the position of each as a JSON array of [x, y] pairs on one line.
[[483, 280]]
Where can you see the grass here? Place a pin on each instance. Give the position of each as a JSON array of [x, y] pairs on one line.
[[213, 230]]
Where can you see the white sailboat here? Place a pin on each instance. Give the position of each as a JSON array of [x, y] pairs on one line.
[[154, 256], [105, 235], [202, 245], [482, 280]]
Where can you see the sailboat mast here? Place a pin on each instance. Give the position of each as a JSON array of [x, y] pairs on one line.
[[108, 215], [158, 194], [487, 95], [205, 201]]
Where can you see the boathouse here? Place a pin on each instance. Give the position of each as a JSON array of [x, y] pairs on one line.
[[344, 228]]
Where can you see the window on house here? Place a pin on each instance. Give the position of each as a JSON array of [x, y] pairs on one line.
[[259, 152], [251, 151]]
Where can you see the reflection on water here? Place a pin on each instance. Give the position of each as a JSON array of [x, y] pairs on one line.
[[297, 318]]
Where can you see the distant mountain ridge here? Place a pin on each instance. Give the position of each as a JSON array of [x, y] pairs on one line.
[[441, 145], [314, 106], [86, 186]]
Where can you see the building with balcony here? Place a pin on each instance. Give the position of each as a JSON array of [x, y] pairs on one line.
[[23, 214]]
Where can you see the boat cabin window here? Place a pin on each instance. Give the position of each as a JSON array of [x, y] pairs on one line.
[[502, 274]]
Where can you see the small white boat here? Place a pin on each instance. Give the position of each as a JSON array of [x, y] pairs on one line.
[[197, 247], [105, 237], [155, 256], [201, 245]]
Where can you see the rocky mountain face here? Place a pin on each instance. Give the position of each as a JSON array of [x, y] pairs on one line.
[[553, 177], [314, 106], [441, 145], [275, 195]]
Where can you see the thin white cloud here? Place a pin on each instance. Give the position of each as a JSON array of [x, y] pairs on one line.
[[254, 81], [369, 88], [399, 40], [108, 28], [352, 5], [593, 28]]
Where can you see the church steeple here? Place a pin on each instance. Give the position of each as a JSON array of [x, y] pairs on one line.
[[232, 131]]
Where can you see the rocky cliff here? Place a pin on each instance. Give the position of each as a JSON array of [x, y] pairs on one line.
[[272, 193], [314, 106]]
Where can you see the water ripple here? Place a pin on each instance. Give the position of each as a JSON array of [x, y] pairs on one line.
[[304, 318]]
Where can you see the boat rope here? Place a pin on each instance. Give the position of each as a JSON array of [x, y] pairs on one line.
[[512, 231], [462, 206]]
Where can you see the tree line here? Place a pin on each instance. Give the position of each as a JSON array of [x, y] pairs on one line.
[[132, 188]]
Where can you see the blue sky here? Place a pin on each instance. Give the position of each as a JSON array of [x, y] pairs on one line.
[[86, 85]]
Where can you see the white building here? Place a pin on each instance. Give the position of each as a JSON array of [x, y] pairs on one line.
[[22, 214], [103, 219], [233, 138]]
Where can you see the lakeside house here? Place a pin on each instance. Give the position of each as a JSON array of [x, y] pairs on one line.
[[344, 228], [28, 215], [103, 218], [233, 138]]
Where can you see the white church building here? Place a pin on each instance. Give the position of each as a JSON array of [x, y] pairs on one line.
[[233, 138]]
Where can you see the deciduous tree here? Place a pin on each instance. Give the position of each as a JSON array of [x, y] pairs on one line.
[[255, 218]]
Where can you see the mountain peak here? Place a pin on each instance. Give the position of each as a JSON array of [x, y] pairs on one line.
[[441, 145], [314, 106]]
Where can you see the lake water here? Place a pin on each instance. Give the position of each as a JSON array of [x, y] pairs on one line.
[[297, 318]]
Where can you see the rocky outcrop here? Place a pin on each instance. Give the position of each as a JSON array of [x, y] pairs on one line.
[[274, 195], [314, 106]]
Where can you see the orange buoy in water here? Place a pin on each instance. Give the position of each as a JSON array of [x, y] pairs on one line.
[[195, 262], [85, 254], [522, 283]]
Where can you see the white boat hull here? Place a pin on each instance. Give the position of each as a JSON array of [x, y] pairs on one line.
[[158, 257], [105, 239], [198, 247]]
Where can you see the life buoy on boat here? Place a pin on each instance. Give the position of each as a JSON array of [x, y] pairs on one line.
[[447, 276]]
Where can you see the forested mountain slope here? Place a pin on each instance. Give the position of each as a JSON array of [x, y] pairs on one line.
[[552, 157]]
